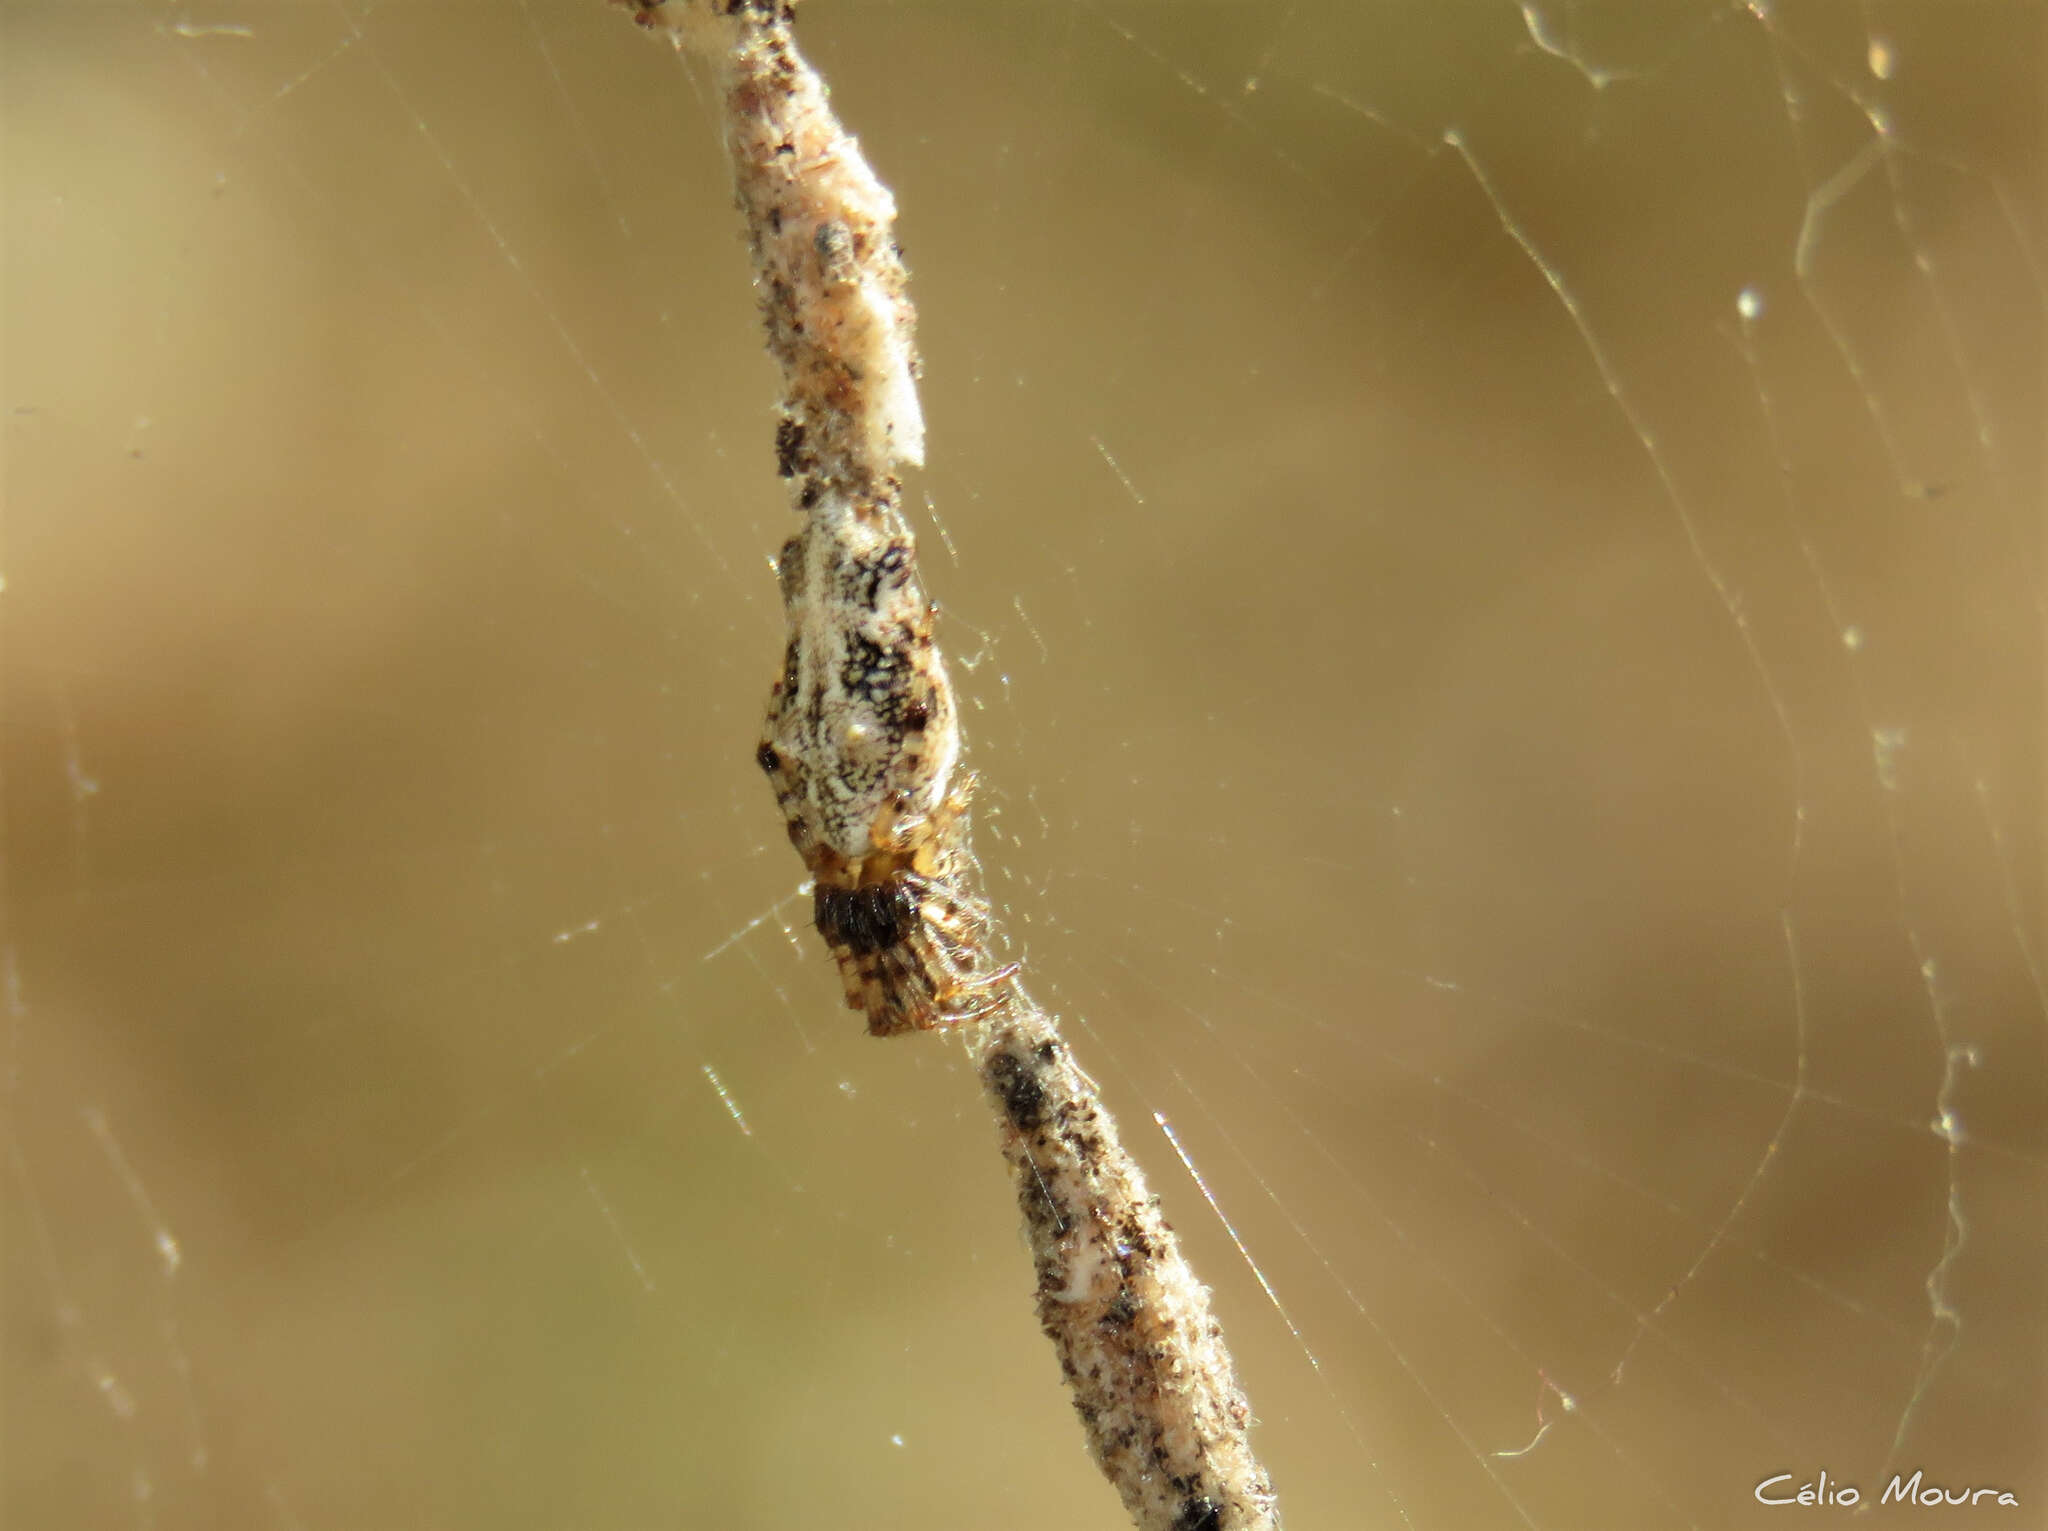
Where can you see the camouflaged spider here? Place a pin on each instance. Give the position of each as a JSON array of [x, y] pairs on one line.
[[862, 744]]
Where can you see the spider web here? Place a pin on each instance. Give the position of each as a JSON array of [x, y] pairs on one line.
[[1496, 557]]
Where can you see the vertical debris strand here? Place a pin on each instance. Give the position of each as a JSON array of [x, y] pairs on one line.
[[862, 748]]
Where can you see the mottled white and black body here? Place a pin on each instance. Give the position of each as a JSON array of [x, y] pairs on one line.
[[862, 713], [862, 746]]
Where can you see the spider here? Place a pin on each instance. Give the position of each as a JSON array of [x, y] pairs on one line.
[[861, 746]]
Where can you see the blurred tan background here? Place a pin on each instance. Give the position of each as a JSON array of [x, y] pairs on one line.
[[1540, 784]]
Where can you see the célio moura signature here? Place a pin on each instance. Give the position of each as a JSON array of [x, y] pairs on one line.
[[1781, 1489]]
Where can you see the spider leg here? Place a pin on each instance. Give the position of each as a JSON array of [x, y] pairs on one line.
[[899, 991], [975, 984]]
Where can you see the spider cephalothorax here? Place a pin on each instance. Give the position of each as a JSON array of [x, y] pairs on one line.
[[911, 949]]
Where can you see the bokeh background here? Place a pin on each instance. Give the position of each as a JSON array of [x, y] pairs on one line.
[[1496, 554]]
